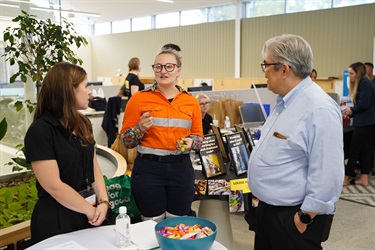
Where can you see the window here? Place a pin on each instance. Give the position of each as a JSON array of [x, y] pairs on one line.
[[141, 23], [222, 13], [307, 5], [102, 28], [121, 26], [253, 8], [167, 20], [256, 8], [342, 3], [189, 17]]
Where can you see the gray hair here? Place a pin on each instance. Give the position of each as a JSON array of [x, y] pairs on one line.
[[292, 50], [201, 96]]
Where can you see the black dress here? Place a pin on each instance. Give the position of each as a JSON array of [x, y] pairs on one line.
[[206, 123], [131, 80], [47, 139]]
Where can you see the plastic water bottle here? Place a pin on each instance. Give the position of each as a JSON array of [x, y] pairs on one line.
[[227, 123], [122, 229]]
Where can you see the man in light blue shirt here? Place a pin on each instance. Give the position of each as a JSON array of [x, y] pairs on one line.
[[297, 167]]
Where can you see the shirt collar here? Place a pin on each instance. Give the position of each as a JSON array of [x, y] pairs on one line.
[[288, 98], [153, 88]]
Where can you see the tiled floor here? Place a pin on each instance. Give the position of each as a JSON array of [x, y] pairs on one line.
[[353, 228]]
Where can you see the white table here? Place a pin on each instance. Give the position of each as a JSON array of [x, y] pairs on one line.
[[99, 238]]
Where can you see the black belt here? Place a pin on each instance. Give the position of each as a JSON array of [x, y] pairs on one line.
[[163, 158]]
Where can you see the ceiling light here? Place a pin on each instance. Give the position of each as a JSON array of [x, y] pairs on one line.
[[166, 1], [9, 5]]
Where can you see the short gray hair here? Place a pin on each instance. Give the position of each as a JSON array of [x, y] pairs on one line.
[[292, 50], [200, 96]]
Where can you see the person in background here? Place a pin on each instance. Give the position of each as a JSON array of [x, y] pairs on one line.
[[204, 84], [370, 69], [61, 149], [132, 83], [313, 75], [363, 112], [296, 169], [164, 122], [204, 102]]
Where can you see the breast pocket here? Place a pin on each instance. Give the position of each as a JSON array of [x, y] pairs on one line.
[[280, 151], [154, 111], [186, 113]]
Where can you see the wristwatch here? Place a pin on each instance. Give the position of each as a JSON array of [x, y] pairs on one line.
[[304, 217]]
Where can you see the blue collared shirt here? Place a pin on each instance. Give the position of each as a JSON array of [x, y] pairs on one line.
[[307, 166]]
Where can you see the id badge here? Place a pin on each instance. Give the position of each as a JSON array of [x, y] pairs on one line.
[[89, 196]]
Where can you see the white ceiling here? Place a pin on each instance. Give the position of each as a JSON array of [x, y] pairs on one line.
[[112, 10]]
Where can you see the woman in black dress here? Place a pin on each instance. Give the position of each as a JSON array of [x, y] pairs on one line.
[[204, 102], [61, 149]]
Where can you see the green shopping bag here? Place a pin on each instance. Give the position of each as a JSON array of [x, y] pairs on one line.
[[119, 194]]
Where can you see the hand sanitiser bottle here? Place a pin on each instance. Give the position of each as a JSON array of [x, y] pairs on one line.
[[227, 123], [122, 228]]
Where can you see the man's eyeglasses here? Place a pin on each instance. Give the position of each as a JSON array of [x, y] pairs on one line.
[[204, 103], [169, 67], [265, 65]]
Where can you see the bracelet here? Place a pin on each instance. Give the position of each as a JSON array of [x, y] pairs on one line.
[[105, 202]]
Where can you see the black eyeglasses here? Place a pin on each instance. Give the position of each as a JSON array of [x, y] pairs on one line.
[[265, 65], [169, 67], [204, 103]]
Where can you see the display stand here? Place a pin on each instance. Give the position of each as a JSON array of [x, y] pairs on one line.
[[217, 211]]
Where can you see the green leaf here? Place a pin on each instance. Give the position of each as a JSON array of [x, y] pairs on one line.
[[21, 162], [3, 128], [8, 197], [18, 105]]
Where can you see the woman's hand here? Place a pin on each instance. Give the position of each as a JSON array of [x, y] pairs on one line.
[[186, 145], [348, 111], [99, 215], [145, 121]]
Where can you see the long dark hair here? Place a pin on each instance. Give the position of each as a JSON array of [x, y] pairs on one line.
[[360, 70], [57, 97]]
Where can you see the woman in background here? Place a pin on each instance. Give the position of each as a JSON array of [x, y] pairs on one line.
[[204, 102], [61, 149], [132, 83], [363, 112], [313, 75]]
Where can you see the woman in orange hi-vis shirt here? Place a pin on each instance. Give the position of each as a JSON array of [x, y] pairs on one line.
[[164, 122]]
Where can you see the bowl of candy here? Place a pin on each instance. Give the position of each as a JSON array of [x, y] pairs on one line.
[[185, 232]]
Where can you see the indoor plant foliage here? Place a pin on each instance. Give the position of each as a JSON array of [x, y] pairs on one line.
[[17, 200], [34, 47]]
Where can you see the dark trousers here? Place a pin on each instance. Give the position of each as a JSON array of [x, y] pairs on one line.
[[362, 150], [160, 187], [276, 229]]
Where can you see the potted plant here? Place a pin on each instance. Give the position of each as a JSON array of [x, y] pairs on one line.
[[33, 47]]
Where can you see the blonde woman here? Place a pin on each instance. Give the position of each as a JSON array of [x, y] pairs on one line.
[[204, 103], [363, 113]]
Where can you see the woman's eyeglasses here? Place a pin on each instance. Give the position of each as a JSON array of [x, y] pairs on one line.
[[169, 67], [204, 103]]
